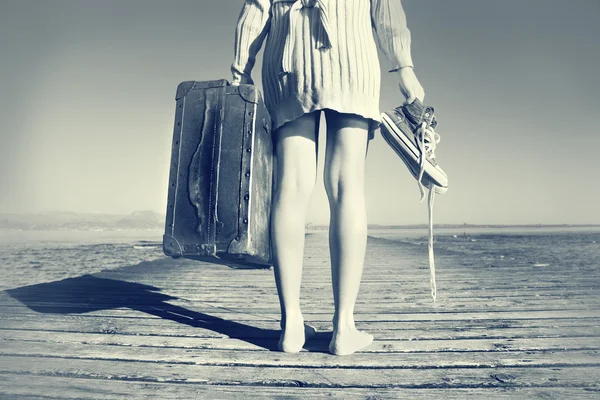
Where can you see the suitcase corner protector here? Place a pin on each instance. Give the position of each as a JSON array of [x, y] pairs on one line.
[[250, 93], [171, 247], [183, 89]]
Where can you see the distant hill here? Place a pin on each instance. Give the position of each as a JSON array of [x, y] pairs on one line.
[[146, 220], [66, 220], [142, 220]]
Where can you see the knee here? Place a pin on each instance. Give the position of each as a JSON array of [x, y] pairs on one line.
[[343, 189], [331, 187], [298, 186]]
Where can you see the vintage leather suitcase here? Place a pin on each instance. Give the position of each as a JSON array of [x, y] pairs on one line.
[[219, 198]]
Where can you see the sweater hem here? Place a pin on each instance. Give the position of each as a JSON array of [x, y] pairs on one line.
[[291, 108]]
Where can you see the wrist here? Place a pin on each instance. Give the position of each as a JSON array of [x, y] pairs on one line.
[[404, 72]]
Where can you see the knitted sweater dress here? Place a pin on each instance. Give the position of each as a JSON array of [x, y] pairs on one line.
[[321, 54]]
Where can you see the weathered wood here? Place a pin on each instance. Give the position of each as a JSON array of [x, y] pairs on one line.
[[374, 298], [243, 312], [56, 387], [317, 312], [143, 321], [376, 290], [395, 356], [186, 279], [182, 329], [433, 377], [311, 275], [270, 331]]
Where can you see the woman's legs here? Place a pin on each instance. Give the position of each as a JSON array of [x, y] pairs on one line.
[[296, 169], [347, 138]]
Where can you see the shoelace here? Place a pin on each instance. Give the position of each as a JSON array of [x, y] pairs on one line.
[[427, 141]]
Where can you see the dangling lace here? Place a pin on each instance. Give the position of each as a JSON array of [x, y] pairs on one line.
[[427, 139], [430, 244]]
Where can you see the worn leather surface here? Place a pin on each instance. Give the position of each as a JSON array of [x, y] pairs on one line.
[[221, 176]]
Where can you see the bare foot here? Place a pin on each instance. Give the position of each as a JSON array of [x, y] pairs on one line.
[[294, 335], [348, 342]]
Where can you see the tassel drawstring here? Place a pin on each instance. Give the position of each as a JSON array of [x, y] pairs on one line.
[[323, 37]]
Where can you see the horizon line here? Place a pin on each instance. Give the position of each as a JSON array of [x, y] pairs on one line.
[[319, 225]]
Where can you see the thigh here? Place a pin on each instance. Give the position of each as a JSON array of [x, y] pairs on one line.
[[347, 140], [296, 150]]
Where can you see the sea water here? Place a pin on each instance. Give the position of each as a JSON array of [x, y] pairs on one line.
[[32, 257], [569, 247]]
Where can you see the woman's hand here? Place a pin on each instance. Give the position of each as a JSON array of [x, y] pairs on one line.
[[409, 85], [241, 79]]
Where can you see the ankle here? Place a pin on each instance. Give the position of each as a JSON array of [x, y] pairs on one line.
[[292, 317], [344, 324]]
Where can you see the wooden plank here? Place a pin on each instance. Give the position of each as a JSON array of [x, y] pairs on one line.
[[210, 291], [198, 283], [375, 296], [271, 330], [380, 345], [382, 297], [165, 270], [318, 358], [28, 386], [54, 387], [316, 274], [253, 314], [581, 308], [487, 344], [465, 267], [383, 291], [382, 300], [434, 377], [249, 334], [145, 321], [268, 301]]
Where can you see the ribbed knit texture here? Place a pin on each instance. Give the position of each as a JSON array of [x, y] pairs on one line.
[[345, 77]]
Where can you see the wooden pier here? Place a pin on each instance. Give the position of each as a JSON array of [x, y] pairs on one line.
[[179, 329]]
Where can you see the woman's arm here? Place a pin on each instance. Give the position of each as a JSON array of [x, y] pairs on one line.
[[252, 27], [392, 33], [389, 22]]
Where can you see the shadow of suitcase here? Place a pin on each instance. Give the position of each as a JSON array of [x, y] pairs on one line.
[[221, 176]]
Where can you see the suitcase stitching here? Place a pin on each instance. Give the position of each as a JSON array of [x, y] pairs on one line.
[[214, 179]]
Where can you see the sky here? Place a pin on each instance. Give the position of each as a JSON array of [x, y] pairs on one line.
[[87, 105]]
